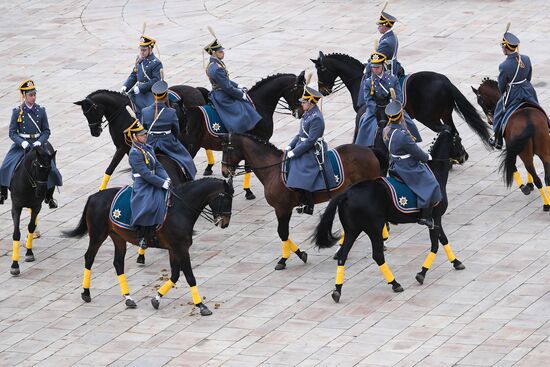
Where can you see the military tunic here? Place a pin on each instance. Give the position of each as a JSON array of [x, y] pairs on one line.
[[238, 115], [163, 136], [368, 124], [514, 89], [33, 127], [409, 162], [148, 197], [303, 170], [146, 72], [387, 45]]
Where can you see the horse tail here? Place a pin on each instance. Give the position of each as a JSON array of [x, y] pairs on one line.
[[82, 227], [468, 112], [205, 93], [383, 159], [323, 233], [513, 149]]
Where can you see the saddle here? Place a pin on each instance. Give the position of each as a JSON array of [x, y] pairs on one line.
[[335, 162], [121, 211], [403, 198]]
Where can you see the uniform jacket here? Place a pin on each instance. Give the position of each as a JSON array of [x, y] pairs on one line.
[[145, 73]]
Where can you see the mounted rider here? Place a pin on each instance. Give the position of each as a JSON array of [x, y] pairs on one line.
[[146, 72], [376, 91], [230, 100], [28, 128], [307, 171], [408, 163], [148, 200], [163, 129], [514, 84]]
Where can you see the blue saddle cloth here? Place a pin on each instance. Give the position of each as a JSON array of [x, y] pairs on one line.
[[121, 211], [403, 83], [212, 120], [403, 198], [335, 162], [173, 97]]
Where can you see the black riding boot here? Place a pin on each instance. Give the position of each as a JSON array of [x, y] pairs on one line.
[[426, 217], [3, 194], [307, 203], [49, 198], [496, 140]]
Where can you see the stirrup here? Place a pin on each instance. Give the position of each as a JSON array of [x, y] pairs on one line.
[[428, 222]]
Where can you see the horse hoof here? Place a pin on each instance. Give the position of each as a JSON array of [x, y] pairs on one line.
[[141, 259], [385, 248], [420, 278], [546, 208], [155, 302], [280, 266], [204, 310], [130, 303], [249, 194], [15, 271], [336, 296], [336, 254], [36, 234], [207, 171], [526, 189], [458, 265], [29, 258], [397, 288], [303, 257], [86, 297]]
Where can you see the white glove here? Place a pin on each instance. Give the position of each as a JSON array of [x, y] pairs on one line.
[[24, 144], [244, 96], [429, 157], [136, 90], [166, 184], [288, 147], [123, 89], [36, 143], [290, 154]]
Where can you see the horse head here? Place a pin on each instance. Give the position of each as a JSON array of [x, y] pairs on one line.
[[293, 94], [231, 155], [94, 114], [38, 165], [325, 77], [487, 97], [221, 204]]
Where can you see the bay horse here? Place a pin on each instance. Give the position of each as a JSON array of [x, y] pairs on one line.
[[108, 108], [187, 203], [28, 188], [265, 161], [266, 95], [367, 206], [526, 135], [430, 97]]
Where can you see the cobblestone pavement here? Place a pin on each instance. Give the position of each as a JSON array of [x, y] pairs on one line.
[[496, 312]]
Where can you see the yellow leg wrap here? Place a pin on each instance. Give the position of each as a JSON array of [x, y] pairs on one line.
[[449, 252], [286, 249], [385, 269], [141, 251], [340, 274], [87, 278], [341, 240], [166, 287], [28, 244], [529, 178], [543, 195], [104, 182], [15, 255], [123, 284], [429, 260], [385, 232], [210, 157], [293, 247], [195, 294], [246, 180], [517, 178]]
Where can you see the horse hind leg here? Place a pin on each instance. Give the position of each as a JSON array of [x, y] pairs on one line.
[[527, 158], [96, 240], [16, 217], [546, 164], [210, 158], [118, 262], [342, 256], [29, 255]]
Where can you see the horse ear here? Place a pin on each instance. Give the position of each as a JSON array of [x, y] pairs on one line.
[[475, 90], [321, 55], [315, 61], [54, 153], [301, 77], [79, 103]]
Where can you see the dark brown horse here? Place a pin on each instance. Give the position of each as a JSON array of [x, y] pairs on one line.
[[265, 161], [526, 135], [187, 202]]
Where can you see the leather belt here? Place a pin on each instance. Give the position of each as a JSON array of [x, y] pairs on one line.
[[28, 136], [136, 175], [165, 132], [404, 156]]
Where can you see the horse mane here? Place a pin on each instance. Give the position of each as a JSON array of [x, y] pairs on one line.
[[269, 78], [346, 57], [105, 91], [262, 142], [489, 82]]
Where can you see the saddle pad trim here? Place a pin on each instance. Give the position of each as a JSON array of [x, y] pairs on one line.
[[210, 125]]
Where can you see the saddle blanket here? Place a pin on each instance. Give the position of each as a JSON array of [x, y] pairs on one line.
[[213, 122], [510, 111], [121, 211], [173, 97], [403, 82], [403, 198], [335, 162]]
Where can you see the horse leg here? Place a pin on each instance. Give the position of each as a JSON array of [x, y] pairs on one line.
[[527, 159], [434, 235], [119, 154], [378, 256], [457, 264], [211, 161], [287, 244], [118, 262], [246, 183], [188, 272], [16, 216], [29, 256], [96, 240], [342, 256], [546, 208]]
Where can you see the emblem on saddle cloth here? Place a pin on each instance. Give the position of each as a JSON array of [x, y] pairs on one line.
[[403, 198]]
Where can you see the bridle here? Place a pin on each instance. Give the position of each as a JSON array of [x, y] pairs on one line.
[[221, 206], [338, 83], [35, 164], [284, 104], [105, 120]]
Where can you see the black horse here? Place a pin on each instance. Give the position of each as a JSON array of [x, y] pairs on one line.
[[187, 203], [367, 206], [28, 189], [430, 97], [108, 108]]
